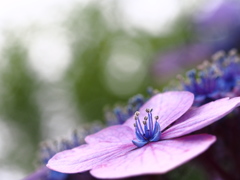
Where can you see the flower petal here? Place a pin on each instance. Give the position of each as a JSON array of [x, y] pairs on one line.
[[169, 106], [154, 158], [112, 134], [86, 157], [198, 118], [108, 143]]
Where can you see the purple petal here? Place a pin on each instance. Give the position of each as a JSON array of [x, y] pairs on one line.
[[86, 157], [112, 134], [169, 106], [198, 118], [99, 150], [154, 158]]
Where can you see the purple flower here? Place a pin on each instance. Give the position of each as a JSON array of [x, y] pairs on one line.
[[173, 61], [219, 27], [41, 173], [120, 114], [158, 146], [214, 80]]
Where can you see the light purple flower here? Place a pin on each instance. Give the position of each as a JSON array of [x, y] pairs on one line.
[[110, 152]]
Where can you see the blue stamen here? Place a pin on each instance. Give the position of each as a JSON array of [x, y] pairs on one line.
[[138, 124], [138, 133], [150, 122], [156, 126], [156, 132], [148, 133]]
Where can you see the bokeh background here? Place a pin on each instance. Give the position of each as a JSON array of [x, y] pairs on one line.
[[62, 62]]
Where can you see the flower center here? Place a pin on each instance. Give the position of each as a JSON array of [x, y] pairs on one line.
[[148, 131]]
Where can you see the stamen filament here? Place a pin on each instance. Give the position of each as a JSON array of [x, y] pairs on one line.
[[150, 122], [146, 131], [138, 122], [138, 130]]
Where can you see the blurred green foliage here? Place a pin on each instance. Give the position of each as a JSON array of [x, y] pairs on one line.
[[94, 40], [18, 103], [18, 89]]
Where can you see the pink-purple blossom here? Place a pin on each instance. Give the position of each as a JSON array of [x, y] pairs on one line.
[[110, 153]]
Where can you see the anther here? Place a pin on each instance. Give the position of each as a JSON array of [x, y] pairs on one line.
[[147, 110], [137, 113], [218, 55], [180, 77], [145, 118], [232, 52], [144, 122], [156, 117]]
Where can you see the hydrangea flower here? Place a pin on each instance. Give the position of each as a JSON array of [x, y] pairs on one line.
[[215, 80], [152, 147], [174, 60], [220, 26]]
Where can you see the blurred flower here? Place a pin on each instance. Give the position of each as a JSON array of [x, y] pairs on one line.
[[110, 153], [44, 173], [209, 31], [220, 26], [41, 173], [177, 59], [211, 81], [120, 114], [48, 150], [214, 80]]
